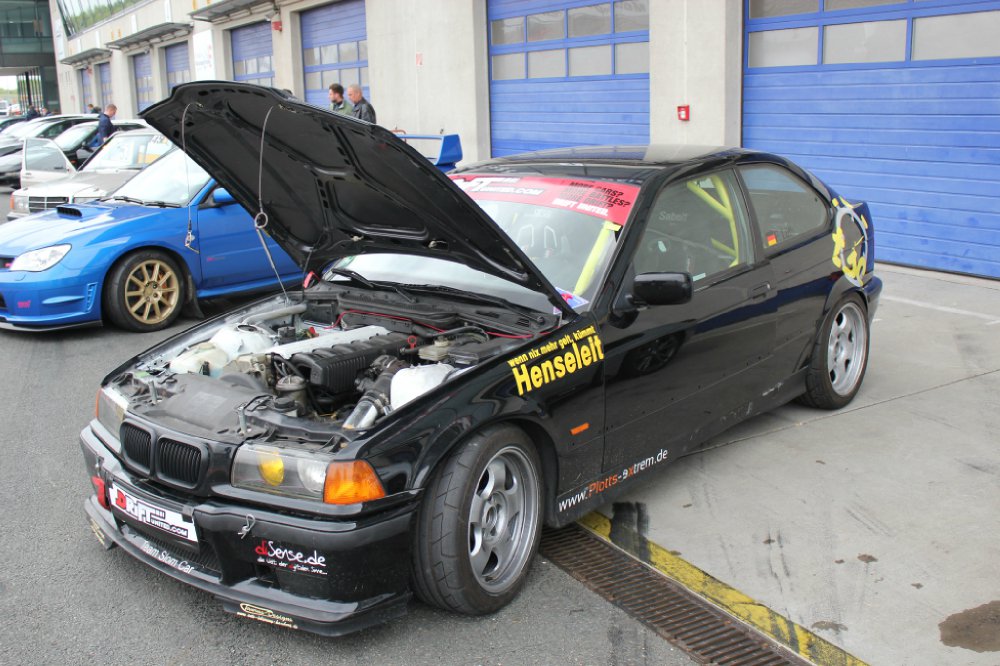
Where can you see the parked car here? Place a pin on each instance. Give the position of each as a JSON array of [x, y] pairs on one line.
[[9, 121], [167, 237], [49, 179], [12, 142], [79, 142], [512, 346]]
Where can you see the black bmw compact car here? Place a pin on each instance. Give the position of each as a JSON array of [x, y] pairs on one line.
[[470, 357]]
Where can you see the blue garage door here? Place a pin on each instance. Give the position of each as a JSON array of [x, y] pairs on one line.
[[893, 102], [252, 50], [87, 89], [104, 81], [334, 49], [568, 73], [142, 69], [178, 65]]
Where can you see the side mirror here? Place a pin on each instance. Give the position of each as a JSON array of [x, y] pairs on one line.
[[662, 288], [221, 197]]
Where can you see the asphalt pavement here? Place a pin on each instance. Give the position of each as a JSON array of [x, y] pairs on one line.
[[67, 601]]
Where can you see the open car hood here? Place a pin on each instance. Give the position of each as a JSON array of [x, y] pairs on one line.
[[332, 186]]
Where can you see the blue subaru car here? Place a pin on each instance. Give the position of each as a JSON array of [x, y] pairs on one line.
[[168, 237]]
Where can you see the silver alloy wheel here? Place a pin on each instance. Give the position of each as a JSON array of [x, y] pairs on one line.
[[503, 519], [847, 347]]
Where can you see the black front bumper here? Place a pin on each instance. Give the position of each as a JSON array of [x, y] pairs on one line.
[[363, 578]]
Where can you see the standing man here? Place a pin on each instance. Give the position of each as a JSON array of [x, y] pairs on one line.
[[32, 113], [363, 110], [104, 127], [337, 102]]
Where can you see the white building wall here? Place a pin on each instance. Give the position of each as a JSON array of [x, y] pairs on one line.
[[695, 52], [428, 69]]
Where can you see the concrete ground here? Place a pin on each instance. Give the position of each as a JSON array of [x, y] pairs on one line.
[[875, 526]]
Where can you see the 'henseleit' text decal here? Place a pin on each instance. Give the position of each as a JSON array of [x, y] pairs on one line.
[[556, 359]]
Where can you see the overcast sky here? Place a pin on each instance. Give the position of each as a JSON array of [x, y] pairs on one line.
[[8, 82]]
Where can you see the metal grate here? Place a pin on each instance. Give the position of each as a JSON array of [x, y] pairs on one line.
[[137, 443], [706, 633], [178, 461], [205, 559], [37, 204]]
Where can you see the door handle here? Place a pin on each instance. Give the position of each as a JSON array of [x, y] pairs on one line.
[[760, 291]]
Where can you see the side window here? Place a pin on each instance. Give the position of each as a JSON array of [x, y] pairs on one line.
[[696, 226], [786, 208]]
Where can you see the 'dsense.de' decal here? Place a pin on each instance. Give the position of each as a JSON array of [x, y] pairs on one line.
[[556, 359]]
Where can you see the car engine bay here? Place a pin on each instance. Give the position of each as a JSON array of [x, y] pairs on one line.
[[336, 362]]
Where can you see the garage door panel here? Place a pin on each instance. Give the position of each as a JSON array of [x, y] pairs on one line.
[[805, 150], [958, 222], [862, 121], [877, 137], [988, 173], [904, 91], [861, 178], [954, 250], [875, 193], [834, 78], [932, 258], [576, 108], [983, 106], [987, 238], [333, 28]]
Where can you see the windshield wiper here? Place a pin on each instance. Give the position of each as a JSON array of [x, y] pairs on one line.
[[358, 277], [160, 204], [473, 295], [132, 200], [354, 275]]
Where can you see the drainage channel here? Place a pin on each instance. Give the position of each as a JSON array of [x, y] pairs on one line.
[[693, 624]]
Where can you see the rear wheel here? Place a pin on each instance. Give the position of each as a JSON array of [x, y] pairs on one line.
[[479, 524], [840, 357], [144, 292]]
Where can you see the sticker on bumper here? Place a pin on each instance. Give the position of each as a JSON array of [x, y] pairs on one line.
[[266, 615], [150, 514]]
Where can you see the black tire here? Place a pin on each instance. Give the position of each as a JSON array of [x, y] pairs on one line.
[[450, 569], [840, 356], [144, 291]]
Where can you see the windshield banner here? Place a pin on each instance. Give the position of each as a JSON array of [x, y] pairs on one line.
[[608, 201]]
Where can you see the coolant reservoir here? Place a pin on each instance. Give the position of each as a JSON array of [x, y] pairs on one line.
[[241, 339], [410, 383], [194, 359]]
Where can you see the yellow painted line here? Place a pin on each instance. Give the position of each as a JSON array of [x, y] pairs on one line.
[[795, 637]]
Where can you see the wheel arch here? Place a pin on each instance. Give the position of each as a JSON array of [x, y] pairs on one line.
[[169, 251]]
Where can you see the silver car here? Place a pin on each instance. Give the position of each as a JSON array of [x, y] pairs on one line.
[[51, 180]]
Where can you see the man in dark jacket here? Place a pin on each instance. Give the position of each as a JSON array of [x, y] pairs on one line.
[[363, 110], [104, 126], [32, 113]]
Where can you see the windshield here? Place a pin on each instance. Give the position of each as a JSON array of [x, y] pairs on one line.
[[567, 227], [129, 150], [21, 130], [417, 270], [75, 135], [175, 179]]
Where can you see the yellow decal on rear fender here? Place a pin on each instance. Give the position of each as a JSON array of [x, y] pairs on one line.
[[556, 359], [850, 242]]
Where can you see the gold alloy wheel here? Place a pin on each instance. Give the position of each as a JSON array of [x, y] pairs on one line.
[[151, 291]]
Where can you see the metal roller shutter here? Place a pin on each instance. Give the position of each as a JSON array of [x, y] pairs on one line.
[[87, 89], [104, 81], [894, 103], [142, 69], [334, 49], [178, 64], [568, 73], [252, 49]]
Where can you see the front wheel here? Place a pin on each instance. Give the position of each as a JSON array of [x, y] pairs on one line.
[[144, 292], [479, 524], [840, 357]]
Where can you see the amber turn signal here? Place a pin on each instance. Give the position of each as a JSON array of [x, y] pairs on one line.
[[351, 483]]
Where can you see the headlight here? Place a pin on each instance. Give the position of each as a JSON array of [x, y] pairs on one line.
[[305, 475], [40, 260], [111, 406], [19, 203]]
